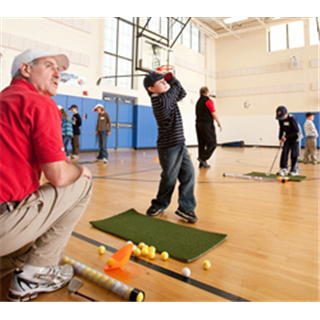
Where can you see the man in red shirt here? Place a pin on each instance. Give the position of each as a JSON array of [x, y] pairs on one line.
[[206, 134], [36, 220]]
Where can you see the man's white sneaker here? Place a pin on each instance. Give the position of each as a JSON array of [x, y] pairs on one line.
[[293, 173], [104, 160], [48, 279]]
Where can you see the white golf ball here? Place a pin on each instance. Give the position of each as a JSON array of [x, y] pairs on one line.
[[186, 272]]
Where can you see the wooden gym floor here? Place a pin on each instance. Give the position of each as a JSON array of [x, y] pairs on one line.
[[271, 253]]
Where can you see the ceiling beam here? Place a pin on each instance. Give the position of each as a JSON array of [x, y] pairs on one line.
[[204, 28], [261, 22], [222, 24]]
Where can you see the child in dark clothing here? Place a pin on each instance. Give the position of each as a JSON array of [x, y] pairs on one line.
[[165, 91], [289, 135], [76, 124]]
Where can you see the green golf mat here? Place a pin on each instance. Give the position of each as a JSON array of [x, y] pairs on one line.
[[85, 162], [300, 160], [260, 174], [181, 242]]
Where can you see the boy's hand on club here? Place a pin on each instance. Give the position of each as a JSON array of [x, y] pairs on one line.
[[282, 140]]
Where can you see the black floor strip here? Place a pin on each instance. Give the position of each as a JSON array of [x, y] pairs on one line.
[[172, 274]]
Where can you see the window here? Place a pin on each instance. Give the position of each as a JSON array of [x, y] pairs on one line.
[[286, 36], [296, 34], [277, 38], [118, 47], [191, 37], [118, 51], [195, 39], [186, 35], [314, 30], [159, 25]]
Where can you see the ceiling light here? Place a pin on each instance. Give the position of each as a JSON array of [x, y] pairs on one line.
[[231, 20]]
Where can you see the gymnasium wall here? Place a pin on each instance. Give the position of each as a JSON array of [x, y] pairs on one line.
[[236, 70], [247, 72], [82, 39]]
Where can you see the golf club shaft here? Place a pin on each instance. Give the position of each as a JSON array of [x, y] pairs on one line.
[[275, 158], [84, 296]]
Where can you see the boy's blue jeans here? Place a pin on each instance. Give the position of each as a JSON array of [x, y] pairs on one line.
[[176, 164]]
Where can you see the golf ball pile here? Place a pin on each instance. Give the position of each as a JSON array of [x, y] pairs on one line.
[[147, 251]]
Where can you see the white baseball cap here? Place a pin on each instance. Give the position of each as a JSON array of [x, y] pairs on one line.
[[32, 54], [98, 106]]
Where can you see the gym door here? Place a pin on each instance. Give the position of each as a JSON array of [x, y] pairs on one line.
[[120, 109]]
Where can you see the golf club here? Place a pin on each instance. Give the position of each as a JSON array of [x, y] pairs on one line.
[[74, 285], [275, 158]]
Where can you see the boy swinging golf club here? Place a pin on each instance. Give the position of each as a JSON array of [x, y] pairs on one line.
[[165, 91]]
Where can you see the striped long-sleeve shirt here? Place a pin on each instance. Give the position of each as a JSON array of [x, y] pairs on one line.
[[168, 117]]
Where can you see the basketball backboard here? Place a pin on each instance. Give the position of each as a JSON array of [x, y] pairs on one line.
[[155, 39], [153, 55]]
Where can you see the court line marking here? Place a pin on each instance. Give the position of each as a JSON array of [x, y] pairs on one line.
[[169, 273]]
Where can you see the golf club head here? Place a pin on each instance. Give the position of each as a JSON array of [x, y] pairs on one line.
[[75, 284]]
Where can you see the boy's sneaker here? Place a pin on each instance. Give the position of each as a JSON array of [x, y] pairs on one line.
[[47, 279], [203, 164], [282, 172], [189, 215], [154, 211], [104, 160], [293, 173]]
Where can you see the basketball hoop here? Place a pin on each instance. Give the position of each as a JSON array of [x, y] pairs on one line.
[[165, 68]]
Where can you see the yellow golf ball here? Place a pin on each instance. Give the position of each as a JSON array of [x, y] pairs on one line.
[[137, 252], [145, 251], [152, 248], [65, 260], [164, 255], [111, 262], [101, 249], [206, 264], [152, 254], [140, 297], [141, 245]]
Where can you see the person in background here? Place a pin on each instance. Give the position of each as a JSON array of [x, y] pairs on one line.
[[206, 114], [67, 130], [310, 130], [103, 130], [76, 124], [36, 219]]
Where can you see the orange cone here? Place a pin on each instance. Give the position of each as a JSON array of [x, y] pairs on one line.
[[121, 257]]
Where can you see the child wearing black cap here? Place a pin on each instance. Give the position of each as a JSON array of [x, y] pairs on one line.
[[311, 133], [165, 91], [76, 124], [289, 135]]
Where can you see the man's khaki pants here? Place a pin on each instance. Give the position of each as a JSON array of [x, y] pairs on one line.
[[38, 229]]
